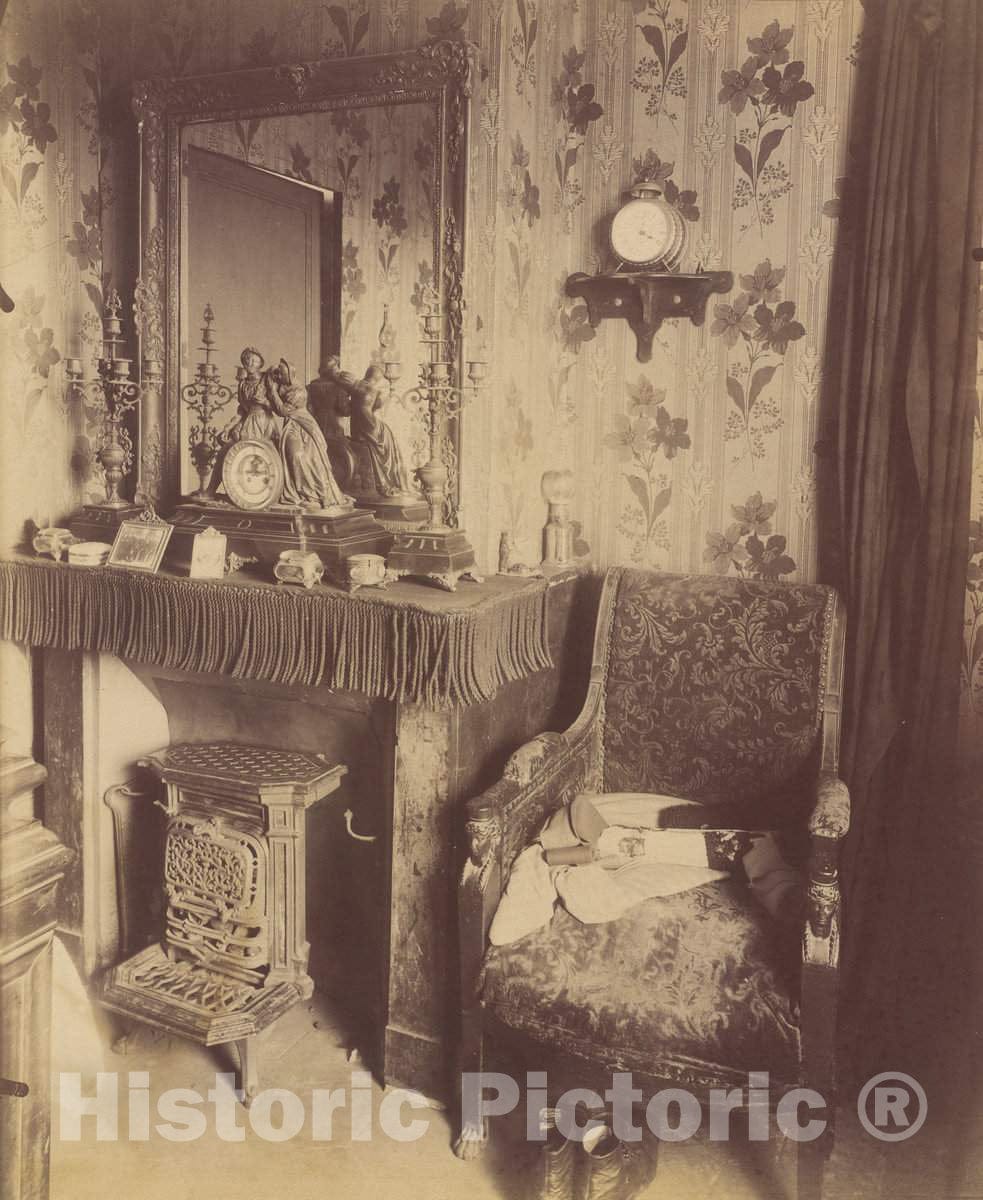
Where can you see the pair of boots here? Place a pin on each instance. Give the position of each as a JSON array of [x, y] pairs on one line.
[[601, 1167]]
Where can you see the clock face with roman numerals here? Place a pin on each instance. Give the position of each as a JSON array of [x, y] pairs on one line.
[[253, 473], [647, 231]]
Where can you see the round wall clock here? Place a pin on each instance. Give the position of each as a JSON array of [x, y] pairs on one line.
[[647, 231], [253, 473]]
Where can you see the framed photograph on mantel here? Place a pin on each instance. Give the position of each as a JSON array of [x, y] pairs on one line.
[[140, 545]]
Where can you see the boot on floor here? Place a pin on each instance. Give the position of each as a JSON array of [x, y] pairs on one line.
[[610, 1169]]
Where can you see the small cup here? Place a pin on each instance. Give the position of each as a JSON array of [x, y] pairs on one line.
[[366, 570]]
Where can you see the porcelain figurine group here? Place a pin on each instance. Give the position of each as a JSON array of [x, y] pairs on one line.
[[367, 457], [273, 406]]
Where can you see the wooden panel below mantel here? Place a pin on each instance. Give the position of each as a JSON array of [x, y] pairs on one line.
[[442, 759]]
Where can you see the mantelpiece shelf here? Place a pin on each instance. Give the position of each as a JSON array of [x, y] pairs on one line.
[[406, 643], [647, 298]]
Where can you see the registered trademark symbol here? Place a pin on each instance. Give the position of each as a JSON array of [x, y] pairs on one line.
[[892, 1106]]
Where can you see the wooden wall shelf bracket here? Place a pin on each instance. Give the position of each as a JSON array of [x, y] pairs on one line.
[[647, 298]]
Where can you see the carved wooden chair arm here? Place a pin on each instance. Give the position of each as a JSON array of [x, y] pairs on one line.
[[828, 824], [541, 776], [830, 815]]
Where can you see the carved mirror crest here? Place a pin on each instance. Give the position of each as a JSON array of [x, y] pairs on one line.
[[327, 124]]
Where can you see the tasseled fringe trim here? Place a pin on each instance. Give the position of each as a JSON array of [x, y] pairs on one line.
[[379, 646]]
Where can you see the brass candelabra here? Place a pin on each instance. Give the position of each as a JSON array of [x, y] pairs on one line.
[[206, 396], [437, 550], [441, 400], [113, 394]]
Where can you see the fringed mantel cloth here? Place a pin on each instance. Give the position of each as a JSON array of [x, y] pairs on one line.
[[410, 643]]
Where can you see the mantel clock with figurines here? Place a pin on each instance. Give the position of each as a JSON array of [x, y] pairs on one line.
[[267, 469]]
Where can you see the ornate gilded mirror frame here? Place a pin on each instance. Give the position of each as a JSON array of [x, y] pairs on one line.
[[440, 74]]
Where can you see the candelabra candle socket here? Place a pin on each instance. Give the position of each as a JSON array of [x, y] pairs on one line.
[[477, 369], [387, 335], [153, 372], [73, 370], [392, 371]]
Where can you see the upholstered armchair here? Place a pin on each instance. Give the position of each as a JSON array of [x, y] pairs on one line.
[[712, 689]]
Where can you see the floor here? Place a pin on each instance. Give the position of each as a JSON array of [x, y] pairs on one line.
[[307, 1050]]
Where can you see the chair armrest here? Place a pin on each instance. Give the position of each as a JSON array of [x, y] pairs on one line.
[[828, 824], [540, 777], [830, 817]]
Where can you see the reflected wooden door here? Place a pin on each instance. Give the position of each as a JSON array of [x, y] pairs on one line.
[[264, 251]]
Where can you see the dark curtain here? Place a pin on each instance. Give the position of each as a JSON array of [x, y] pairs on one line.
[[899, 394]]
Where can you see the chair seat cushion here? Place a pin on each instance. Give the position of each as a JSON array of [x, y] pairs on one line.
[[695, 986]]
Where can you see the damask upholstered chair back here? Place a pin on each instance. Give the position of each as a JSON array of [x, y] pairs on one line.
[[713, 687]]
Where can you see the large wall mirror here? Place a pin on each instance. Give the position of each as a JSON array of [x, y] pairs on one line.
[[308, 206]]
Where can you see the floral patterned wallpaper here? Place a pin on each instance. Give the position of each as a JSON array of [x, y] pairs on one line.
[[51, 212], [702, 459]]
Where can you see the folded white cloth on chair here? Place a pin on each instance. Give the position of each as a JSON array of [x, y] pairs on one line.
[[602, 890], [609, 852], [527, 902], [594, 894]]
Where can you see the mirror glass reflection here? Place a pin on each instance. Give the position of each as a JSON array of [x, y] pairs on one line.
[[309, 235]]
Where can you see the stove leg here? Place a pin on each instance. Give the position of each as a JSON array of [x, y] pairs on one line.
[[248, 1076], [124, 1034]]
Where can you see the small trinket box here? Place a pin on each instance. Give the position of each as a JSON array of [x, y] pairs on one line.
[[299, 566], [365, 570], [89, 554], [54, 541]]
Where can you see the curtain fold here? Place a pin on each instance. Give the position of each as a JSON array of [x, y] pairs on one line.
[[900, 387]]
